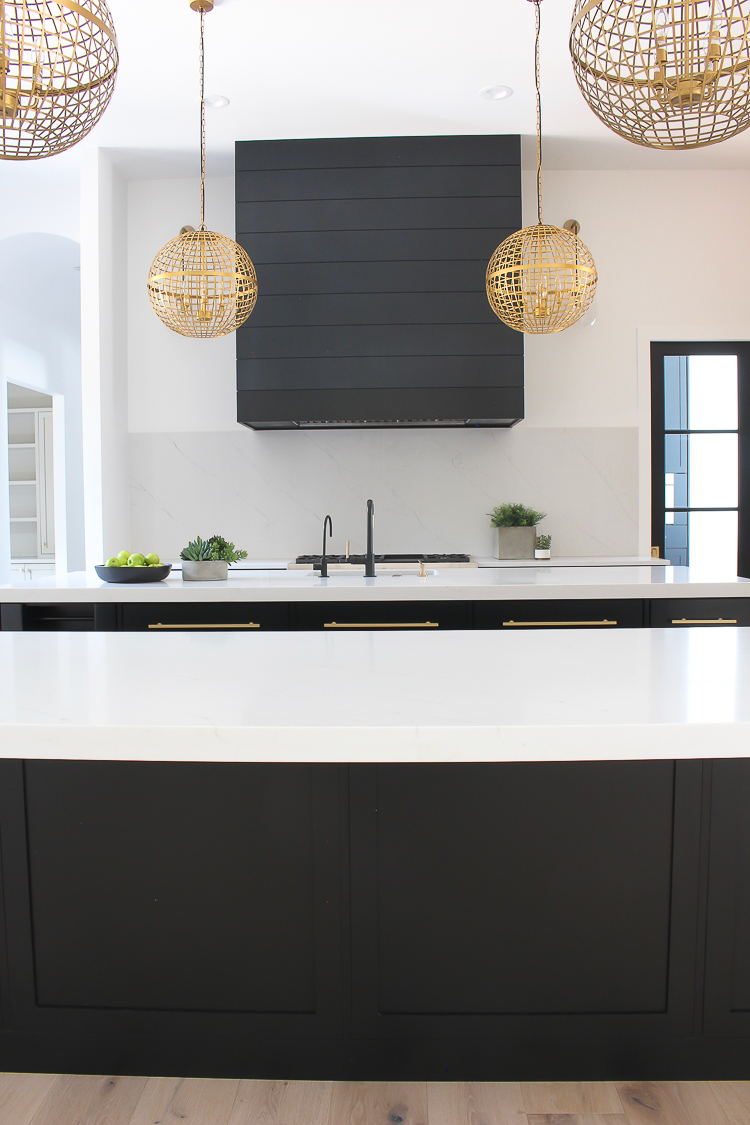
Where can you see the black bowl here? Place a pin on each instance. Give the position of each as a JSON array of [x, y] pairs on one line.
[[133, 573]]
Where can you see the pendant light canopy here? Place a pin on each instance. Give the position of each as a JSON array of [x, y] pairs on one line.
[[58, 63], [202, 284], [542, 278], [670, 74]]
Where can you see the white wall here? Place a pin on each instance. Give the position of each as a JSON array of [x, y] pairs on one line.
[[174, 384], [40, 348], [671, 249], [104, 371]]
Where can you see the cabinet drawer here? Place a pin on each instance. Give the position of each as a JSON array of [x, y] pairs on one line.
[[230, 616], [70, 617], [385, 616], [668, 613], [564, 614]]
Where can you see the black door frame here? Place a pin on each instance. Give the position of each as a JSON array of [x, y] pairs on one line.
[[659, 350]]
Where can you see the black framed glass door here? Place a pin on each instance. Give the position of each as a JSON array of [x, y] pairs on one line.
[[700, 455]]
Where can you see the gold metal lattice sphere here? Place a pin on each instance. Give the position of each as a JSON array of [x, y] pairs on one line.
[[665, 74], [58, 63], [541, 279], [202, 284]]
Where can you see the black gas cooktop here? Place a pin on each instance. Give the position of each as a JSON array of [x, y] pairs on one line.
[[359, 560]]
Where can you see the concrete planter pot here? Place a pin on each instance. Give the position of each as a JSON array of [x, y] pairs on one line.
[[515, 542], [213, 571]]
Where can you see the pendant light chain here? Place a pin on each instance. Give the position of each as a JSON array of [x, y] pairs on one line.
[[203, 126], [537, 6], [202, 284], [542, 278]]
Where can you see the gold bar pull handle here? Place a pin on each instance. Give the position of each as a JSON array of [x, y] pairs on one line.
[[382, 625], [704, 620], [559, 624], [249, 625]]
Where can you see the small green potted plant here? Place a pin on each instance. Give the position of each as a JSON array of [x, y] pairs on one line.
[[207, 560], [542, 547], [516, 530]]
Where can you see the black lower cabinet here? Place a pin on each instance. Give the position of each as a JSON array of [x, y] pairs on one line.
[[473, 922], [562, 613]]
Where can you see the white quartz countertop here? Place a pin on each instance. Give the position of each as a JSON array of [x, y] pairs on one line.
[[469, 584], [473, 584], [366, 697]]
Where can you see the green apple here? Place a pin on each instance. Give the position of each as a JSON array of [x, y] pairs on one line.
[[136, 560], [114, 561], [123, 557], [153, 560]]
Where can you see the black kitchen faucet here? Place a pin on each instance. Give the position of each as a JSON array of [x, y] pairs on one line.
[[324, 559], [370, 555]]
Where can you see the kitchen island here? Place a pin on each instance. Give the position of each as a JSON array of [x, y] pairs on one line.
[[479, 855]]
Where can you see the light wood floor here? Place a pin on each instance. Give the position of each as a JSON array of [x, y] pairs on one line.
[[54, 1099]]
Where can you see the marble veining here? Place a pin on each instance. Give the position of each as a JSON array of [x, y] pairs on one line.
[[432, 489]]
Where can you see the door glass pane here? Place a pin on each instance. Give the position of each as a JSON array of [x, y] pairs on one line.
[[713, 542], [712, 392], [669, 490], [675, 392], [676, 538], [713, 477]]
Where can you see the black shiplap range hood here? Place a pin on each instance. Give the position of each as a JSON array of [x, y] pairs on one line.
[[371, 256]]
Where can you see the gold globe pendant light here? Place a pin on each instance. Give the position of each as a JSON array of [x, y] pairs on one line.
[[542, 278], [202, 284], [58, 63], [664, 73]]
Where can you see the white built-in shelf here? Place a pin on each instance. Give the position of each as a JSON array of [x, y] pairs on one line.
[[31, 491]]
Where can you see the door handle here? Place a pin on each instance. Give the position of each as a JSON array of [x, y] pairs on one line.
[[559, 624], [249, 625], [704, 620], [382, 625]]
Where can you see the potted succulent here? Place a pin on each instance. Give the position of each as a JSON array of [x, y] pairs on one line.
[[542, 547], [516, 530], [207, 560]]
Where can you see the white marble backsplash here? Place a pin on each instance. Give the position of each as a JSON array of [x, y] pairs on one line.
[[269, 492]]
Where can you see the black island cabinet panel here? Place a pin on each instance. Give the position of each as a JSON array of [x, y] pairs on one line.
[[500, 921], [727, 1004], [563, 613], [187, 891], [523, 898]]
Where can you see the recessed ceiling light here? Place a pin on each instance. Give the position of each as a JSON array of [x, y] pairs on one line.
[[218, 101], [495, 93]]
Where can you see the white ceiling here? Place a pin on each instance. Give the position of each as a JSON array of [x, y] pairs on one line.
[[311, 68]]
